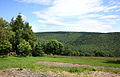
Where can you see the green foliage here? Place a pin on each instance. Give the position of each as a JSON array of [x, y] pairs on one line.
[[24, 48], [5, 47], [15, 33], [19, 69], [6, 35], [85, 43], [68, 52], [3, 23], [74, 69], [22, 32], [5, 30], [38, 51], [54, 47], [94, 69]]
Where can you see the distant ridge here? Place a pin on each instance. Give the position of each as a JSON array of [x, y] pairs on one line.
[[87, 42]]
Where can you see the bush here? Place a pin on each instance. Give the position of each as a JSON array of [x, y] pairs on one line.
[[38, 51], [19, 69], [94, 69], [24, 48], [5, 47], [54, 47], [68, 52]]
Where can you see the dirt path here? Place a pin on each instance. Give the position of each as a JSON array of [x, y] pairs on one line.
[[60, 64]]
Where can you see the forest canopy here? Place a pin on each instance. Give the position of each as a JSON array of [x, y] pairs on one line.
[[85, 43]]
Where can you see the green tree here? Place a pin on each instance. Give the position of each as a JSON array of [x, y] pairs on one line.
[[5, 30], [24, 48], [17, 26], [5, 47], [54, 47], [22, 32], [28, 35], [5, 36], [68, 52], [38, 51]]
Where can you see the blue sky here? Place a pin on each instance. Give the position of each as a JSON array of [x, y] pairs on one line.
[[65, 15]]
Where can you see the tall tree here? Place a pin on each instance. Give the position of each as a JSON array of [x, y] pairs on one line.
[[28, 35], [22, 32], [17, 26], [5, 30], [5, 36]]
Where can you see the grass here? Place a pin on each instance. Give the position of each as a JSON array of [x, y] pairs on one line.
[[30, 63]]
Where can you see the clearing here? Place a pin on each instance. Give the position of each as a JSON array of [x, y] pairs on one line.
[[27, 66]]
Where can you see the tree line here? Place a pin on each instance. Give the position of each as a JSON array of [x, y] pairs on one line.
[[85, 43]]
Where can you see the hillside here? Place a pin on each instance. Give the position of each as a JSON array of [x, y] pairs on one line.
[[86, 42]]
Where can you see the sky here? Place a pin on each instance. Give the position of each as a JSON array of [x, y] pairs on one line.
[[65, 15]]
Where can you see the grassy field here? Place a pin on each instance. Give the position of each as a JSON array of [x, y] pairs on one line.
[[30, 63]]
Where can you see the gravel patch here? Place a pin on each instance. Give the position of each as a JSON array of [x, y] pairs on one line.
[[14, 72], [60, 64], [3, 74], [98, 74]]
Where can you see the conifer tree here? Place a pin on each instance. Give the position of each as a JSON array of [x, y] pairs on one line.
[[22, 32]]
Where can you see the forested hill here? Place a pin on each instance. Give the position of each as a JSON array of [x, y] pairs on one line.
[[85, 43]]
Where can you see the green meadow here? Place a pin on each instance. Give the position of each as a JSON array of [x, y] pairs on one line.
[[31, 63]]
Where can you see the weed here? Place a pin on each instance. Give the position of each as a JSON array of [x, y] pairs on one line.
[[72, 70], [94, 69], [19, 69]]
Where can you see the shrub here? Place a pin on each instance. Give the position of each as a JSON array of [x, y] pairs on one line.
[[38, 51], [5, 47], [54, 47], [68, 52], [94, 69], [24, 48], [19, 69]]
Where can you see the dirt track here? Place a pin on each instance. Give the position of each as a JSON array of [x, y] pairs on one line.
[[60, 64]]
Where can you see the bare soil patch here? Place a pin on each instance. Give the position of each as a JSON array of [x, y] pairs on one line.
[[60, 64]]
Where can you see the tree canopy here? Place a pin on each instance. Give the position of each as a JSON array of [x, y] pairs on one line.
[[15, 34], [22, 32], [54, 47]]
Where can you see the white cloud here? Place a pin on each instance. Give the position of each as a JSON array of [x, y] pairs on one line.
[[36, 1], [83, 25], [52, 22], [77, 13], [63, 8], [110, 16]]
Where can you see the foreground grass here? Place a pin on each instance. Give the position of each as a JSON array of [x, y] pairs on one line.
[[30, 63]]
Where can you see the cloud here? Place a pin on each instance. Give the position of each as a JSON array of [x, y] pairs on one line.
[[52, 22], [83, 25], [36, 1], [114, 2], [63, 8], [109, 16], [78, 15]]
